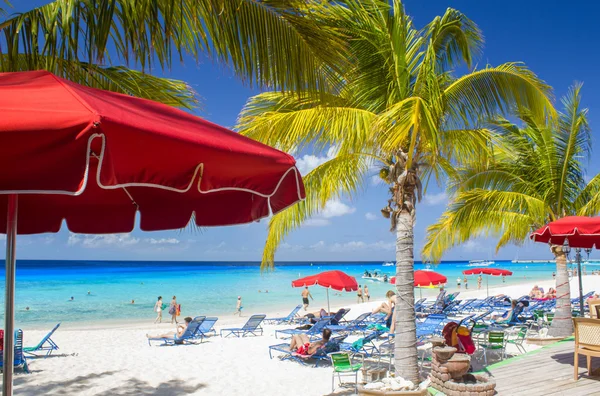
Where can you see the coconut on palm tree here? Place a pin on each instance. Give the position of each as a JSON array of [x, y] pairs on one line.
[[90, 42], [399, 107], [534, 175]]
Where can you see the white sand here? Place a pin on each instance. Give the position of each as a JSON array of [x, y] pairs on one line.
[[118, 361]]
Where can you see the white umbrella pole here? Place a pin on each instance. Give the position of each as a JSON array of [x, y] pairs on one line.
[[328, 309], [487, 284], [9, 310]]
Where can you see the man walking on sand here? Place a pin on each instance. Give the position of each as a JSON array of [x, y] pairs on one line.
[[305, 295], [238, 307], [359, 295], [367, 293]]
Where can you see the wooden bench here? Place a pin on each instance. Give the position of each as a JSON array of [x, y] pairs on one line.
[[587, 342]]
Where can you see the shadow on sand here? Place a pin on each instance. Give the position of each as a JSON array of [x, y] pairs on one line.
[[80, 384]]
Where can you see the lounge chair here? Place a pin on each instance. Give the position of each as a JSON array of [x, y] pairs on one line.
[[19, 360], [587, 342], [321, 355], [46, 345], [343, 366], [358, 324], [189, 335], [287, 319], [314, 331], [365, 346], [338, 317], [431, 325], [207, 327], [252, 327]]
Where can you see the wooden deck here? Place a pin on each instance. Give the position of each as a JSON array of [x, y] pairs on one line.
[[546, 372]]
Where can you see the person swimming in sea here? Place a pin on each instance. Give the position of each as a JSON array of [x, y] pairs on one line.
[[72, 298]]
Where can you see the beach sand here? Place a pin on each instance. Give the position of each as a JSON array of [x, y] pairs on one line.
[[116, 360]]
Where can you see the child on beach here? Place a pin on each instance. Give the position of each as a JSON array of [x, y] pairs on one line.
[[238, 307], [158, 310]]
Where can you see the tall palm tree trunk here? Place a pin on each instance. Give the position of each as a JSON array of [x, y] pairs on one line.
[[562, 325], [405, 349]]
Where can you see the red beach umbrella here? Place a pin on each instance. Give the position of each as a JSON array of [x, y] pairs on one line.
[[336, 280], [574, 231], [487, 271], [95, 158], [425, 279]]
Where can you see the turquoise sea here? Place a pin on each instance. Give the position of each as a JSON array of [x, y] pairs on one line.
[[202, 288]]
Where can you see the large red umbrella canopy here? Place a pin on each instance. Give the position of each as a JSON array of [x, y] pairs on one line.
[[426, 279], [336, 280], [487, 271], [94, 158], [581, 232]]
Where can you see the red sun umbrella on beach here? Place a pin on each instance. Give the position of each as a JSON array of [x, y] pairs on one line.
[[336, 280], [426, 279], [572, 232], [487, 271], [94, 159]]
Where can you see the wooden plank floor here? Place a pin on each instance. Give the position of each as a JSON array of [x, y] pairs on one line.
[[547, 372]]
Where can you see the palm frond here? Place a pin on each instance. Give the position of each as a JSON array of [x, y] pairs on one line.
[[483, 94], [340, 176]]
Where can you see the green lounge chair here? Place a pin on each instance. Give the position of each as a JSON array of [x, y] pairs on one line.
[[45, 345], [342, 366]]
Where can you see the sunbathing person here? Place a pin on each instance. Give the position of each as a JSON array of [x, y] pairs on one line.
[[301, 344], [388, 309], [181, 327], [506, 316]]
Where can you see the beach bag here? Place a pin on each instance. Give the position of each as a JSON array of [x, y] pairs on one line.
[[172, 310], [178, 310]]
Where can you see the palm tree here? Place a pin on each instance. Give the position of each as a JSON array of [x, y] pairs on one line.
[[397, 107], [267, 43], [535, 175]]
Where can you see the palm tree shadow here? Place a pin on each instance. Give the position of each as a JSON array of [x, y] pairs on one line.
[[132, 386]]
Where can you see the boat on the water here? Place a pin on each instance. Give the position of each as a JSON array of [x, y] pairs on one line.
[[375, 275], [388, 264], [480, 263], [427, 267]]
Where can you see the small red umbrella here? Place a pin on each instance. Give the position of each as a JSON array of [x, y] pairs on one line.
[[487, 271], [425, 279], [94, 159], [575, 232], [336, 280]]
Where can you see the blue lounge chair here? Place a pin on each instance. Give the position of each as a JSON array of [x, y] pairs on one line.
[[252, 327], [358, 324], [430, 326], [19, 360], [365, 346], [207, 327], [46, 345], [321, 355], [314, 331], [287, 319], [188, 336]]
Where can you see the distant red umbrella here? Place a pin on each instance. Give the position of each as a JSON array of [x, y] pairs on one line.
[[94, 159], [425, 279], [487, 271], [579, 232], [336, 280]]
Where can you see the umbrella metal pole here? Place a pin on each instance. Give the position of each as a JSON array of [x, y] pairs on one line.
[[9, 310], [487, 284], [578, 257], [328, 309]]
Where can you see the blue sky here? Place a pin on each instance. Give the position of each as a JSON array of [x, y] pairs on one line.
[[557, 40]]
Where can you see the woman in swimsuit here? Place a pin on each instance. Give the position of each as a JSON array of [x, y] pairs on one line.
[[302, 345], [173, 310], [181, 328], [158, 310]]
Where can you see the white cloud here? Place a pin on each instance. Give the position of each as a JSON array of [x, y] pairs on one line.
[[473, 246], [352, 246], [310, 162], [376, 180], [316, 222], [436, 199], [335, 208], [163, 241], [371, 216]]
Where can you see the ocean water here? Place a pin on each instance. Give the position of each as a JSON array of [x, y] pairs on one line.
[[202, 288]]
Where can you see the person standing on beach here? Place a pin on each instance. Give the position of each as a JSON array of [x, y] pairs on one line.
[[458, 282], [479, 280], [305, 295], [173, 310], [359, 295], [367, 293], [238, 307], [158, 310], [553, 275], [503, 278], [466, 284]]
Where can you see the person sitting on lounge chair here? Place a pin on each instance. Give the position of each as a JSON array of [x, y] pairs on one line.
[[181, 327], [301, 344], [388, 308]]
